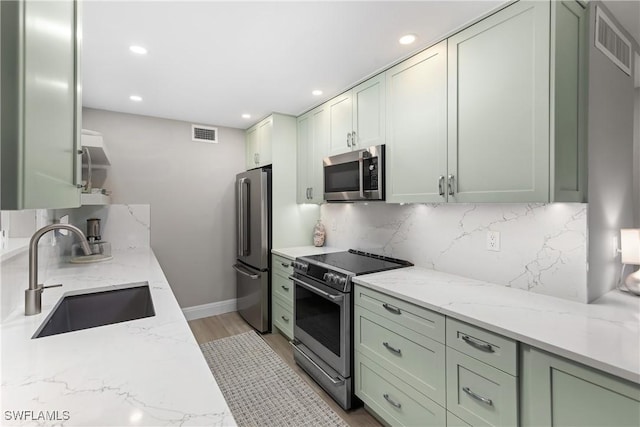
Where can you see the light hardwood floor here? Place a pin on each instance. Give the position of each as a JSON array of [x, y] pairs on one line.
[[225, 325]]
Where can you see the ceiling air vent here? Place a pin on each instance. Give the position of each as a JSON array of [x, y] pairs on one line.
[[611, 42], [201, 133]]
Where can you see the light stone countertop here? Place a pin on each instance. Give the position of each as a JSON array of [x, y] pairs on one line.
[[295, 252], [142, 372], [604, 334]]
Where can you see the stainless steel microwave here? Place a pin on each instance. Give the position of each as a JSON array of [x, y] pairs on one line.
[[355, 176]]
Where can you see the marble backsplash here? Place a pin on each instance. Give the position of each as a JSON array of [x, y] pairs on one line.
[[543, 246], [125, 226]]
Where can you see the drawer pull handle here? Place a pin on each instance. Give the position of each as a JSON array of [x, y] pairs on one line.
[[389, 307], [393, 349], [479, 345], [285, 318], [390, 400], [286, 288], [477, 396], [284, 264]]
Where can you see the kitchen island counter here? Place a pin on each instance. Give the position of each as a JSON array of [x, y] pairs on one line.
[[604, 334], [142, 372]]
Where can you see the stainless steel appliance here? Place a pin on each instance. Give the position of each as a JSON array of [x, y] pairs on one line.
[[355, 176], [253, 230], [323, 312]]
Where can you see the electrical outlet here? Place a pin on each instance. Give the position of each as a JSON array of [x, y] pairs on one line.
[[493, 241]]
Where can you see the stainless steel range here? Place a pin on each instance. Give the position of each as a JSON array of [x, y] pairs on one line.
[[323, 311]]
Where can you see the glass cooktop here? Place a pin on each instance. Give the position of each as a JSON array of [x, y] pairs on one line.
[[356, 262]]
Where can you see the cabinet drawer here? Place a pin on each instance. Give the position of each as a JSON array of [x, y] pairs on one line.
[[283, 317], [453, 421], [281, 265], [480, 394], [491, 348], [282, 287], [391, 399], [418, 319], [415, 359]]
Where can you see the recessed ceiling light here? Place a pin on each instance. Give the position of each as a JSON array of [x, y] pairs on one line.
[[316, 92], [246, 116], [407, 39], [138, 49], [135, 98]]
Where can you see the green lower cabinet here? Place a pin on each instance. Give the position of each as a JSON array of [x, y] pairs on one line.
[[282, 316], [559, 392], [480, 394], [391, 399], [453, 421]]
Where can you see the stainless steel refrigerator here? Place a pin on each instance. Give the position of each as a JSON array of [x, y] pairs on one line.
[[253, 231]]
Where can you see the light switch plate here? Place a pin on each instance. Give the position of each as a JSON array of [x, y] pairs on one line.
[[493, 241]]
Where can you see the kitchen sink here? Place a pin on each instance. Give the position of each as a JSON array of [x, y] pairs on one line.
[[98, 307]]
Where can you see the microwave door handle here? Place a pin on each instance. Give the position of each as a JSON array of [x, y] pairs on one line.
[[361, 170]]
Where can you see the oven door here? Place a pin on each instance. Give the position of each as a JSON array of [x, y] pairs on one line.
[[323, 322]]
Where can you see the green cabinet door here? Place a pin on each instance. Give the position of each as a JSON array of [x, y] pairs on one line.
[[304, 150], [311, 149], [340, 111], [559, 392], [498, 111], [41, 104], [251, 147], [369, 113], [416, 151]]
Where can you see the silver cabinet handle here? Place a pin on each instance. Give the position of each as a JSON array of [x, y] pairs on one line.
[[310, 193], [353, 138], [348, 139], [284, 264], [450, 184], [245, 273], [441, 185], [478, 344], [391, 308], [388, 399], [393, 349], [315, 290], [285, 318], [286, 288], [335, 381], [477, 396]]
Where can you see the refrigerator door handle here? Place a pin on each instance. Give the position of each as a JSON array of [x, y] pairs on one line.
[[240, 270], [243, 218]]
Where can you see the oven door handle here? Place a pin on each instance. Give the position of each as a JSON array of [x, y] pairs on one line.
[[315, 290], [333, 380]]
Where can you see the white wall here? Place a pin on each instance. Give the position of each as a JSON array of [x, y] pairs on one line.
[[610, 163], [189, 186], [543, 247]]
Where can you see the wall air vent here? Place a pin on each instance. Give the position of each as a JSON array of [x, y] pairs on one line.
[[201, 133], [611, 42]]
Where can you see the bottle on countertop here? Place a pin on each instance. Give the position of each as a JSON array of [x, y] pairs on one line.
[[319, 233]]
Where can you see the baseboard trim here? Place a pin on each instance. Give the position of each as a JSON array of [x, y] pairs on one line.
[[211, 309]]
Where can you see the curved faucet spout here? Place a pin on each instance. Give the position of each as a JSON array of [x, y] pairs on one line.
[[33, 295]]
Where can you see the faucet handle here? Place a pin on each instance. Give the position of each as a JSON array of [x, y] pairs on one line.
[[52, 286]]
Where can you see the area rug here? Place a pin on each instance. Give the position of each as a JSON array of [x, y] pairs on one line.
[[260, 389]]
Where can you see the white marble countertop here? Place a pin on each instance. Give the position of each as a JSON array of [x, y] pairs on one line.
[[293, 253], [142, 372], [604, 334]]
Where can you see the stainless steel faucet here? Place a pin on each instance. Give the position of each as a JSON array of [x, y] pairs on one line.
[[33, 295]]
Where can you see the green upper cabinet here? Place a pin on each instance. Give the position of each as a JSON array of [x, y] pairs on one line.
[[559, 392], [517, 91], [498, 139], [416, 149], [258, 141], [356, 119], [41, 104], [569, 33], [313, 135]]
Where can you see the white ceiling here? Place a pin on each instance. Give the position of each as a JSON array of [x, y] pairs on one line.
[[210, 62]]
